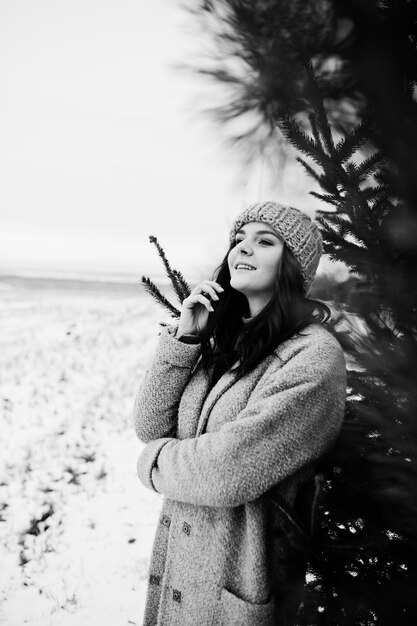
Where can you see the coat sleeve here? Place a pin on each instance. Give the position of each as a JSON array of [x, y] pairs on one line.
[[156, 404], [294, 413]]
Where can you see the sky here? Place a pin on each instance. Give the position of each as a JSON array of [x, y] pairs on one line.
[[104, 142]]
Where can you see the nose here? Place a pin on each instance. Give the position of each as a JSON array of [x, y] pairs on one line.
[[244, 247]]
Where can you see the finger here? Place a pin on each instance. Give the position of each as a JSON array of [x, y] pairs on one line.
[[198, 297], [215, 285], [208, 290], [210, 287]]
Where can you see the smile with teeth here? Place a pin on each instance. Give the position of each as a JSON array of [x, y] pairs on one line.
[[243, 266]]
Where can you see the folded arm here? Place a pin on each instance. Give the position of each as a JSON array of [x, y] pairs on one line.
[[292, 416]]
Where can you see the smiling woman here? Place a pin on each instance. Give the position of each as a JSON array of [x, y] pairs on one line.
[[254, 262], [236, 411]]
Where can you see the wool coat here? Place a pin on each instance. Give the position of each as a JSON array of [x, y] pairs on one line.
[[217, 455]]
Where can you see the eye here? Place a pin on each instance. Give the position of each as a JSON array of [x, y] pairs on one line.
[[267, 241]]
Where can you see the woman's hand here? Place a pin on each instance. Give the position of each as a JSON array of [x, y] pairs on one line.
[[197, 307]]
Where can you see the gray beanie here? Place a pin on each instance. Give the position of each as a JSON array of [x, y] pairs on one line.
[[296, 229]]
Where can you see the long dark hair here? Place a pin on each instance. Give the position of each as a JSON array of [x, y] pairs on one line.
[[227, 339]]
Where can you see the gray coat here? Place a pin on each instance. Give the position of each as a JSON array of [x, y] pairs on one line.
[[215, 456]]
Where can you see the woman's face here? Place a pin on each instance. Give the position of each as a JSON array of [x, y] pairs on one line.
[[257, 246]]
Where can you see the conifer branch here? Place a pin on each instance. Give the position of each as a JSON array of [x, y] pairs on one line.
[[367, 166], [296, 136], [315, 129], [299, 139], [153, 290], [326, 197], [316, 100], [177, 282], [185, 288], [327, 185], [347, 146]]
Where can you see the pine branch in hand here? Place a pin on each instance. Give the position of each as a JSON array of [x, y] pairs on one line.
[[176, 282], [185, 288], [153, 290]]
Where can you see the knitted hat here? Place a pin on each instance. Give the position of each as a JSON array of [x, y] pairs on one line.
[[297, 230]]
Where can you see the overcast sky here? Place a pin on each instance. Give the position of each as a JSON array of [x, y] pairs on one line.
[[102, 142]]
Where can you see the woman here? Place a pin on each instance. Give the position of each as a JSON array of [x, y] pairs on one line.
[[241, 399]]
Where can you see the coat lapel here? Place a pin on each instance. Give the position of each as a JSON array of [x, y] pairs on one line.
[[222, 385]]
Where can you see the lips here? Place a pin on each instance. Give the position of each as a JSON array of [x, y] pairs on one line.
[[245, 266]]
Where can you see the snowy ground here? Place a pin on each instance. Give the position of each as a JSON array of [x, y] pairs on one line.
[[76, 526]]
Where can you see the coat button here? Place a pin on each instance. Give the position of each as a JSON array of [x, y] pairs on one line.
[[165, 521], [176, 595], [186, 528], [154, 580]]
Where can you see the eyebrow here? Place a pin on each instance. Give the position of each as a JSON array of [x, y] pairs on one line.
[[258, 232]]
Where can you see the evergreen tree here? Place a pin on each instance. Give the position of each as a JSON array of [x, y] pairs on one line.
[[366, 564]]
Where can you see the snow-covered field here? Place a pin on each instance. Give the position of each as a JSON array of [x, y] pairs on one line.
[[76, 526]]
